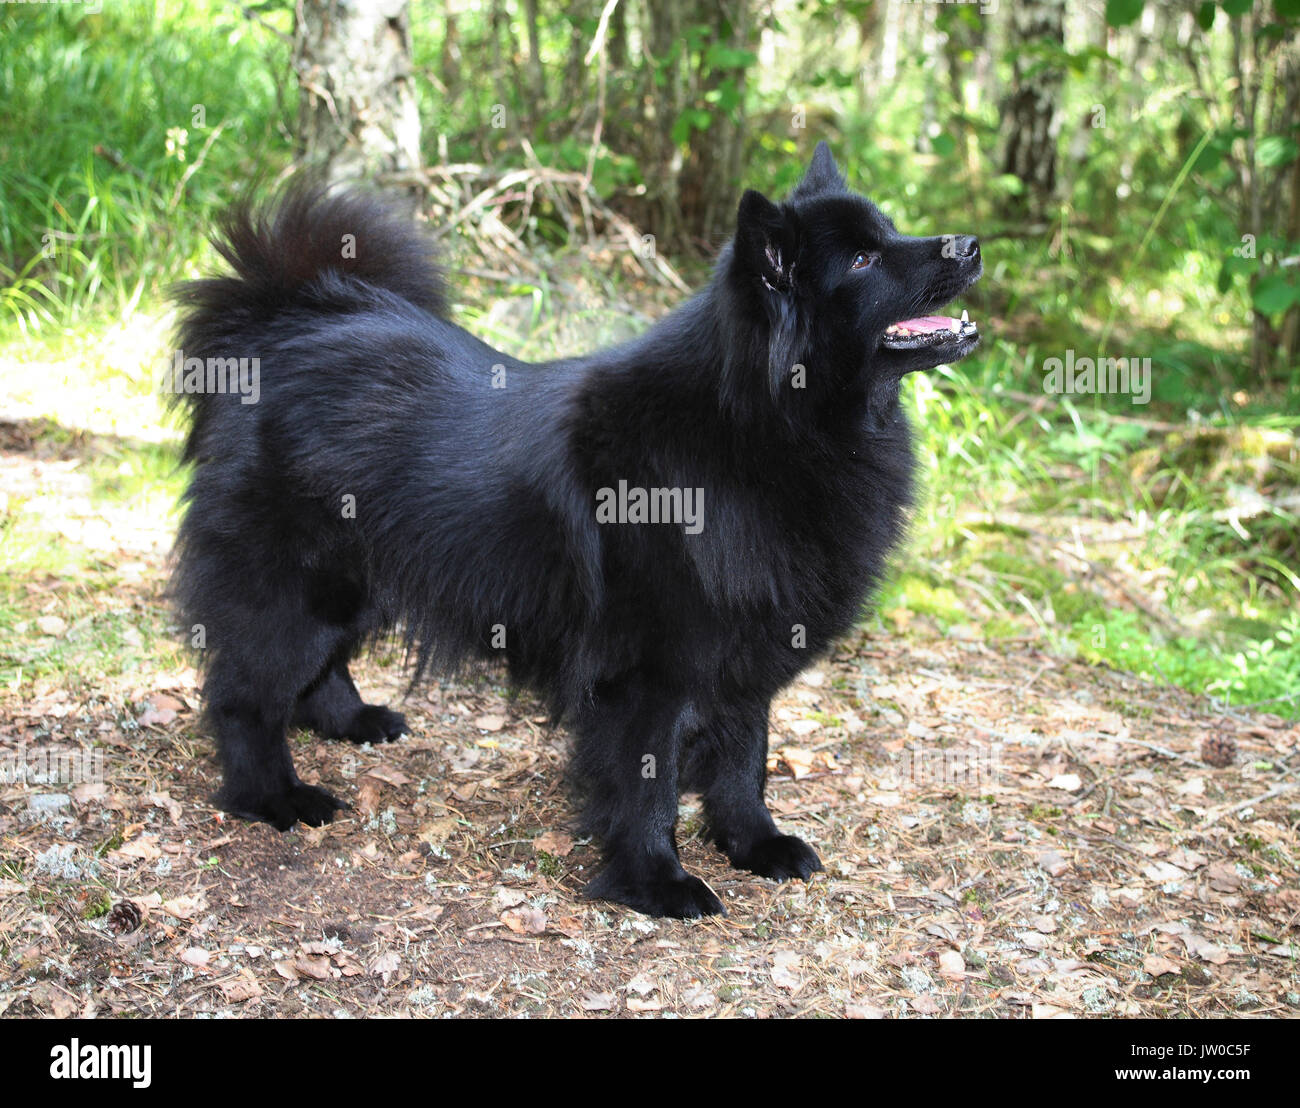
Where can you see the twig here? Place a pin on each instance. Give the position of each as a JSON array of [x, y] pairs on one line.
[[1277, 790]]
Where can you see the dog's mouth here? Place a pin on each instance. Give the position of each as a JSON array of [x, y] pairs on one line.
[[930, 332]]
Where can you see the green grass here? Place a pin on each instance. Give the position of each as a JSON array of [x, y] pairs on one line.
[[1225, 590], [180, 99], [117, 128]]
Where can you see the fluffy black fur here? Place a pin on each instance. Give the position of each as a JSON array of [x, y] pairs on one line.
[[774, 390]]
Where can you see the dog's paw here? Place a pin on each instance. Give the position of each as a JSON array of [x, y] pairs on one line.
[[679, 896], [374, 723], [781, 857], [297, 804]]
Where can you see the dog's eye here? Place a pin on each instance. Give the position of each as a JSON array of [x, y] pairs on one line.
[[864, 259]]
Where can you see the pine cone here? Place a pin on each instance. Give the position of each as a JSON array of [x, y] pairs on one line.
[[1218, 748], [125, 917]]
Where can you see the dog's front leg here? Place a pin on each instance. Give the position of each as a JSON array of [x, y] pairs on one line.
[[629, 745]]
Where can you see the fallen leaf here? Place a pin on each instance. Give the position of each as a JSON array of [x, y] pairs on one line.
[[641, 985], [385, 965], [184, 907], [1187, 859], [368, 796], [785, 964], [1070, 782], [524, 920], [1157, 966], [508, 898], [598, 1002], [167, 804], [241, 988], [797, 760], [1224, 877], [1051, 862], [319, 968], [50, 625], [952, 965], [144, 848], [490, 723], [1162, 872], [196, 957], [156, 717], [555, 843], [863, 1010], [697, 996]]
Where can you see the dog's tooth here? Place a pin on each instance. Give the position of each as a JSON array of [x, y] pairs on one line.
[[954, 326], [965, 316]]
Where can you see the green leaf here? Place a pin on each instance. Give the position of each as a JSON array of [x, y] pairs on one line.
[[1276, 150], [1275, 294], [1205, 15], [1236, 7], [1287, 9], [1120, 13], [728, 57], [944, 145]]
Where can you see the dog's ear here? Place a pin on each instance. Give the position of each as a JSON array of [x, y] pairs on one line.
[[766, 241], [823, 175], [767, 245]]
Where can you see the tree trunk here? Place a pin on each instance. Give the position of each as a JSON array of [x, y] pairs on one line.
[[357, 115], [1031, 115], [693, 182], [536, 77]]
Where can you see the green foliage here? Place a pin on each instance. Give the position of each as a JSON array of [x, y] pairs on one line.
[[1120, 13], [104, 118], [108, 184]]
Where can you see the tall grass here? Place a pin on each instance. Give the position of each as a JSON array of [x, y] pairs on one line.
[[102, 119], [122, 131]]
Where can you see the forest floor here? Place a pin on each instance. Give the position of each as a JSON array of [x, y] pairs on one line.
[[1005, 833]]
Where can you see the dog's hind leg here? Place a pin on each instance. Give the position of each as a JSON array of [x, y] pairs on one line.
[[332, 707], [628, 742], [266, 643], [727, 763], [250, 697]]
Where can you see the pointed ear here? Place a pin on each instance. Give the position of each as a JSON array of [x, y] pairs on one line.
[[766, 240], [823, 174], [767, 245]]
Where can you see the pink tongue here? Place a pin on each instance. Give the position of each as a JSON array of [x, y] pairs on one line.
[[926, 323]]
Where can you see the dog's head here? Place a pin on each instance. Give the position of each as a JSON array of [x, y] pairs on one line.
[[837, 283]]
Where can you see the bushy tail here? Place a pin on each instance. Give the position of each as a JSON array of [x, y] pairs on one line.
[[292, 252]]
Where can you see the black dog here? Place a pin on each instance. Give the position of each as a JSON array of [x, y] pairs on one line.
[[658, 537]]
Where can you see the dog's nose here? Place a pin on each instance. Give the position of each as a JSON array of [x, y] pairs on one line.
[[967, 246]]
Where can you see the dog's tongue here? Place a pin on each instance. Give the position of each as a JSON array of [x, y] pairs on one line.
[[924, 324]]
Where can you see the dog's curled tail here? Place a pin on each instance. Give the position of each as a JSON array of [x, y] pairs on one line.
[[308, 248]]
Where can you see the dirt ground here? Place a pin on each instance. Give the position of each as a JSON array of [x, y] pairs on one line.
[[1005, 834]]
